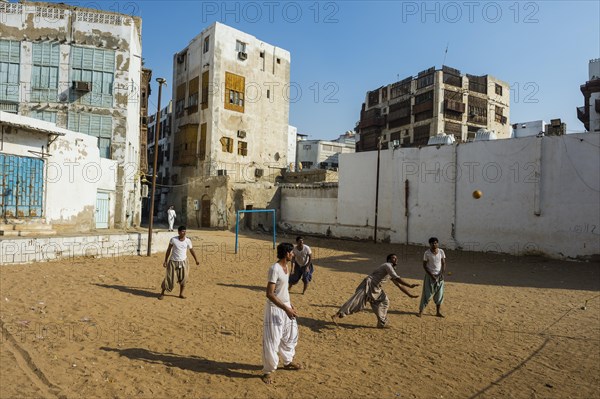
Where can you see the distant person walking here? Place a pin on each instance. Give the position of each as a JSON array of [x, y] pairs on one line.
[[176, 263], [370, 291], [302, 268], [171, 215], [280, 328], [434, 263]]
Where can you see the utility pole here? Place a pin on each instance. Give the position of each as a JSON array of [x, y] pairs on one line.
[[161, 82], [379, 139]]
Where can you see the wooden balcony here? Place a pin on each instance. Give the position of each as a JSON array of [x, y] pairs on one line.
[[453, 105]]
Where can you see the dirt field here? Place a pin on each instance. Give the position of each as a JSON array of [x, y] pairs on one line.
[[94, 328]]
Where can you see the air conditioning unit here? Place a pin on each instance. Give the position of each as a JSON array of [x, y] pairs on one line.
[[242, 55], [82, 86], [221, 172], [145, 191], [259, 172], [241, 134]]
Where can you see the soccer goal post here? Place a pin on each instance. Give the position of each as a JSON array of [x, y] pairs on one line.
[[237, 224]]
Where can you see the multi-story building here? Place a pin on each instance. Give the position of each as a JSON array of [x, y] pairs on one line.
[[324, 154], [434, 102], [589, 114], [80, 69], [230, 125]]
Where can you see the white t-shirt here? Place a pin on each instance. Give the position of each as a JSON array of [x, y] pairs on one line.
[[281, 279], [179, 250], [434, 261], [302, 255]]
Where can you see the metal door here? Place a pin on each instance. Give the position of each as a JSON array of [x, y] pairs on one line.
[[22, 186], [102, 206]]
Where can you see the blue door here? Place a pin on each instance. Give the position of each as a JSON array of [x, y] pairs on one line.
[[22, 186], [102, 207]]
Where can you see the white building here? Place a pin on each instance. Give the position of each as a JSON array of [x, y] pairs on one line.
[[230, 125], [79, 68], [589, 114], [292, 146], [324, 154], [41, 163], [529, 128]]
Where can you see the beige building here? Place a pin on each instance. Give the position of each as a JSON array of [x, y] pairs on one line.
[[434, 102], [80, 69], [230, 126]]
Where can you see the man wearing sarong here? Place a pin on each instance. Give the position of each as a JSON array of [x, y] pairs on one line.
[[434, 263], [177, 265], [370, 291], [302, 265], [280, 328]]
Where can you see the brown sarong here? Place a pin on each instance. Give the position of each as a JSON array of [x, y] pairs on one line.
[[176, 269]]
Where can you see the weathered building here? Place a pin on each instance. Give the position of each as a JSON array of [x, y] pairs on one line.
[[589, 114], [230, 126], [324, 154], [434, 102], [81, 69], [38, 192]]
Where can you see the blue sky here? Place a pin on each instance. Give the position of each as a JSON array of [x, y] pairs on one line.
[[342, 49]]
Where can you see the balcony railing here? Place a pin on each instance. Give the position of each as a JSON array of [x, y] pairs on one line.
[[582, 114], [370, 122]]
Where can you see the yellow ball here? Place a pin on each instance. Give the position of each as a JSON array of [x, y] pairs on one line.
[[477, 194]]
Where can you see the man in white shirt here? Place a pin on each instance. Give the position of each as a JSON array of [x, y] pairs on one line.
[[177, 265], [434, 263], [171, 215], [302, 265], [280, 329]]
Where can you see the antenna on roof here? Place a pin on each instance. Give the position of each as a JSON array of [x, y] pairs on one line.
[[445, 53]]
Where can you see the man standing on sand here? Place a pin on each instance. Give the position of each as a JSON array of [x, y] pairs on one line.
[[280, 328], [434, 263], [302, 265], [177, 265], [171, 215], [370, 291]]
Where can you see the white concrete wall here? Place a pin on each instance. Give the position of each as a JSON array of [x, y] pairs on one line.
[[308, 207], [540, 195], [29, 250]]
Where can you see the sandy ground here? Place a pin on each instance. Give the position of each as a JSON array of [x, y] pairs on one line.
[[94, 328]]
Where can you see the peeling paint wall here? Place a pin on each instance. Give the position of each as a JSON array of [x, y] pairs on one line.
[[33, 22], [73, 174]]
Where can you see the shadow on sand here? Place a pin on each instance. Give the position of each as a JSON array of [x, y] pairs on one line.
[[192, 363]]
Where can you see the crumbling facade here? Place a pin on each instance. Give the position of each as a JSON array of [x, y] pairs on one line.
[[80, 69]]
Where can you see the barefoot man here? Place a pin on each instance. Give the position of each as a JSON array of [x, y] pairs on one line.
[[302, 265], [434, 263], [177, 266], [370, 291], [280, 329]]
